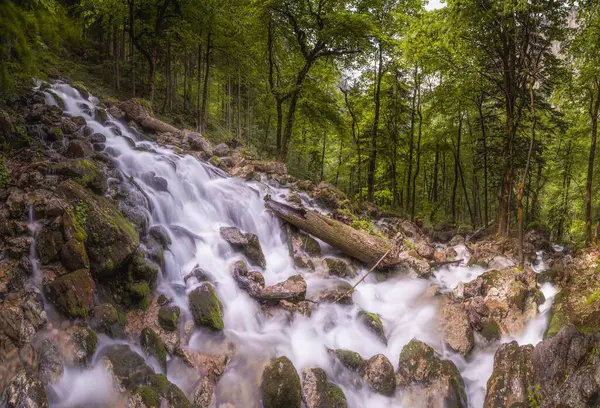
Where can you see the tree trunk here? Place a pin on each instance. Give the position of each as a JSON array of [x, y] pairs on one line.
[[411, 142], [204, 109], [373, 157], [418, 164], [456, 162], [435, 172], [356, 140], [355, 243], [594, 107], [323, 155], [337, 174], [131, 47], [485, 163], [116, 53]]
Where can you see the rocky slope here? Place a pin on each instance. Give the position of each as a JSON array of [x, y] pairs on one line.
[[80, 263]]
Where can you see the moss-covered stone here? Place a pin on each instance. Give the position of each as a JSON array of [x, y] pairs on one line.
[[106, 320], [73, 293], [149, 397], [490, 330], [48, 244], [137, 294], [154, 346], [318, 392], [110, 240], [337, 267], [141, 269], [311, 246], [280, 386], [168, 317], [206, 307], [351, 360], [128, 367], [85, 341], [169, 391], [373, 322], [427, 379], [83, 172], [74, 256]]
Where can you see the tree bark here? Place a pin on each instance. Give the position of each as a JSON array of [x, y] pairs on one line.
[[355, 243], [418, 164], [373, 157], [594, 107], [485, 161], [131, 46], [411, 142]]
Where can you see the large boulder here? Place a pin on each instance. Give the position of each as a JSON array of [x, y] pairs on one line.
[[20, 319], [379, 375], [206, 307], [317, 392], [127, 367], [456, 327], [199, 143], [80, 345], [51, 366], [24, 390], [81, 171], [280, 385], [511, 382], [248, 243], [567, 369], [73, 293], [110, 240], [427, 380]]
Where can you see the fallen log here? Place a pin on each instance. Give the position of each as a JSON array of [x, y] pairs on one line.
[[355, 243], [140, 114]]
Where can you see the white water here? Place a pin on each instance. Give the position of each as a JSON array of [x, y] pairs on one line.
[[201, 200]]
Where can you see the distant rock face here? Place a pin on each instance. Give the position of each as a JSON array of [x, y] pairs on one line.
[[248, 243], [280, 385], [428, 381]]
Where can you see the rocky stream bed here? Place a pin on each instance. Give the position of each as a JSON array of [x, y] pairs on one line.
[[142, 269]]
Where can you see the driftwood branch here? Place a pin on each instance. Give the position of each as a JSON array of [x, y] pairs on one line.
[[358, 244]]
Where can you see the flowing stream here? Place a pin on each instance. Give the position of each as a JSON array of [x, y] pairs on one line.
[[201, 199]]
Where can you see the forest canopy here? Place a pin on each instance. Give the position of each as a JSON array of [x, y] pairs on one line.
[[478, 113]]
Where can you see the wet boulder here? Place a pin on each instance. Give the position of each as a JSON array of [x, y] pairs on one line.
[[21, 318], [50, 363], [24, 390], [96, 138], [428, 381], [110, 240], [171, 395], [280, 386], [318, 392], [81, 171], [49, 243], [168, 317], [74, 256], [199, 143], [338, 267], [80, 345], [293, 289], [206, 307], [221, 150], [78, 148], [127, 367], [456, 326], [73, 293], [156, 182], [335, 292], [160, 234], [154, 346], [566, 367], [246, 242], [373, 323], [511, 382], [105, 319], [379, 375], [350, 360]]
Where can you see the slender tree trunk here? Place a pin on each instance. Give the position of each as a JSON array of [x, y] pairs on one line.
[[356, 140], [373, 158], [456, 164], [204, 109], [199, 81], [337, 174], [485, 161], [323, 155], [418, 164], [239, 108], [594, 107], [435, 172], [411, 139], [131, 47], [116, 52]]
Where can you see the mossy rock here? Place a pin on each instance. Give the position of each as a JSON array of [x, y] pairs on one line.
[[311, 246], [73, 293], [154, 346], [280, 385], [82, 171], [128, 367], [170, 392], [351, 360], [168, 317], [141, 269], [110, 240], [106, 320], [137, 294], [490, 330], [49, 243], [206, 307], [318, 392], [338, 267], [373, 322], [85, 341], [74, 256], [149, 397]]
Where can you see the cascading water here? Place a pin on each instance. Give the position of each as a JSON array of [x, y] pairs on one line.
[[199, 199]]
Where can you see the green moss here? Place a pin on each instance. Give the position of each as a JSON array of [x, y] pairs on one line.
[[4, 172], [175, 397], [335, 396], [168, 317], [214, 161], [535, 397], [280, 387], [592, 298], [154, 346], [150, 397], [490, 330], [558, 317], [351, 360], [72, 294], [206, 307]]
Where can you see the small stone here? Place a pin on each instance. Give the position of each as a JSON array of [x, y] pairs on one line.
[[337, 267], [379, 374], [50, 363], [248, 243], [221, 150], [373, 322], [206, 307], [280, 385], [317, 392], [168, 317], [154, 346]]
